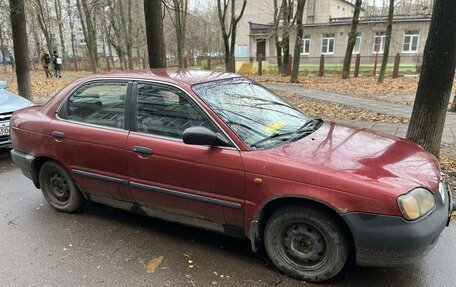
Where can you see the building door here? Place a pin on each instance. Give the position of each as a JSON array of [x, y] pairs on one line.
[[261, 49]]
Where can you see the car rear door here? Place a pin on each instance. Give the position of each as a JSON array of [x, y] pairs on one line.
[[89, 136], [200, 182]]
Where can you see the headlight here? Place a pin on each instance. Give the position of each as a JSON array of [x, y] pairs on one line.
[[416, 203]]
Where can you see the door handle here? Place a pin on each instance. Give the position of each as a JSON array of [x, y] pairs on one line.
[[142, 150], [58, 135]]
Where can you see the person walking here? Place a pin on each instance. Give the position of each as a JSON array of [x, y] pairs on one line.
[[45, 61], [57, 65]]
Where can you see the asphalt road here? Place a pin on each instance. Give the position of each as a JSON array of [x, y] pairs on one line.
[[102, 246]]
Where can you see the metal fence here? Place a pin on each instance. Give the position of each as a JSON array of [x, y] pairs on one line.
[[368, 65]]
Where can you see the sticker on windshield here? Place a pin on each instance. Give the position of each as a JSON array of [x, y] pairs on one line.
[[272, 127]]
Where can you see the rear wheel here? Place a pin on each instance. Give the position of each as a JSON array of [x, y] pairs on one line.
[[305, 243], [59, 188]]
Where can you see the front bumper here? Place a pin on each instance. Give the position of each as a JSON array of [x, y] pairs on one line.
[[391, 241]]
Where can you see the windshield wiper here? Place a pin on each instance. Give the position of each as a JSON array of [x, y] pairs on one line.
[[310, 125], [273, 136]]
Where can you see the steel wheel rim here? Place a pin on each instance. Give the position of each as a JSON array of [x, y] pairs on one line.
[[303, 246], [58, 188]]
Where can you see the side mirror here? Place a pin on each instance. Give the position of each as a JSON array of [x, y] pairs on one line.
[[202, 136]]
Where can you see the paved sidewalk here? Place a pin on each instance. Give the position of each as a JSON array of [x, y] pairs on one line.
[[405, 111]]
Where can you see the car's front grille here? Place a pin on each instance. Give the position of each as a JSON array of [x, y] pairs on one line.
[[5, 116]]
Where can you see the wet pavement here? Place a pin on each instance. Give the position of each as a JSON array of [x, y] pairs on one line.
[[102, 246]]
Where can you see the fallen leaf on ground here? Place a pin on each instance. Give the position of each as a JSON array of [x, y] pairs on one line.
[[400, 90], [327, 110], [153, 264]]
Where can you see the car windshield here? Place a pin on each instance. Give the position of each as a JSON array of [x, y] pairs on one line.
[[259, 117]]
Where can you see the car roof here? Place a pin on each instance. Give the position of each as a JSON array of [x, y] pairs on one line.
[[186, 77]]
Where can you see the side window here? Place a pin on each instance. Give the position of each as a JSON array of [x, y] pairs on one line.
[[98, 104], [166, 111]]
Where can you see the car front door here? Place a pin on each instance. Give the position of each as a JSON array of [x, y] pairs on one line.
[[89, 135], [201, 183]]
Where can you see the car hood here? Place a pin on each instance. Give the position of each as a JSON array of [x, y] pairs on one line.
[[10, 102], [347, 155]]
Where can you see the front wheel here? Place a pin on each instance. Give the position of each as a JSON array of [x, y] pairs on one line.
[[59, 188], [305, 243]]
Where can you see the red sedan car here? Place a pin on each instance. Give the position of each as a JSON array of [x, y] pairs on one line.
[[220, 152]]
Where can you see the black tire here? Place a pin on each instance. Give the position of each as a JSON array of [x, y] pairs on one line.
[[305, 243], [59, 188]]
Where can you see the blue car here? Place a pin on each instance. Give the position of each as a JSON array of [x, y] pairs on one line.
[[9, 103]]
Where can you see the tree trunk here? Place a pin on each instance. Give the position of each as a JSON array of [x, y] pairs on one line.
[[125, 34], [389, 31], [103, 39], [2, 51], [286, 8], [298, 43], [436, 79], [154, 30], [276, 36], [35, 32], [118, 25], [180, 17], [42, 21], [130, 36], [71, 23], [58, 12], [453, 106], [351, 40], [18, 27], [89, 32]]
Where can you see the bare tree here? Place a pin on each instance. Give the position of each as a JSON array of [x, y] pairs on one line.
[[436, 79], [287, 8], [2, 47], [180, 8], [18, 25], [298, 42], [153, 15], [351, 40], [126, 22], [204, 27], [117, 25], [58, 13], [389, 31], [34, 28], [87, 14], [277, 41], [69, 8], [229, 33], [42, 13]]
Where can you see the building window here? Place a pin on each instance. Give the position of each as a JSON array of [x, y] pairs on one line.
[[357, 48], [327, 46], [310, 19], [305, 47], [411, 39], [379, 42]]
